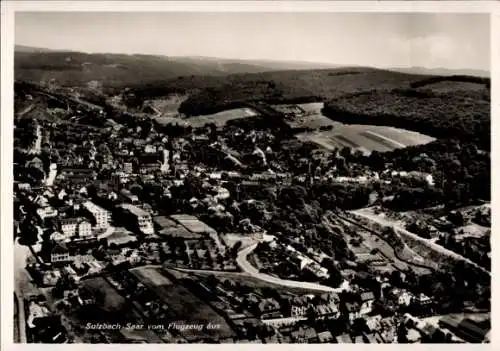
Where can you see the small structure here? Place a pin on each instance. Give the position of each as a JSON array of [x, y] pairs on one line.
[[367, 299]]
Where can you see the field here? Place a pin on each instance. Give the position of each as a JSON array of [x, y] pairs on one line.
[[221, 118], [306, 116], [472, 230], [113, 300], [373, 242], [115, 309], [457, 114], [168, 106], [150, 276], [193, 224], [254, 283], [432, 253], [366, 138], [184, 305]]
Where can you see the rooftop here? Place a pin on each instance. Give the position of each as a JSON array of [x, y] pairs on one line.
[[136, 211]]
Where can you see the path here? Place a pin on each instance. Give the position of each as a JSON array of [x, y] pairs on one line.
[[25, 111], [252, 271], [431, 245], [38, 142]]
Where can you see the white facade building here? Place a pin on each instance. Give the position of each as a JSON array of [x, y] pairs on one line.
[[101, 216]]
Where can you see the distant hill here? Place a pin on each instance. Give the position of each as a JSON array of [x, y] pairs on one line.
[[70, 68], [444, 71], [32, 49]]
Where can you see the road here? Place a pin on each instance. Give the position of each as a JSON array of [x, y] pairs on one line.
[[38, 142], [25, 111], [431, 245], [252, 271]]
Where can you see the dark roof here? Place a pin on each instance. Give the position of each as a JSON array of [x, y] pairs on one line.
[[60, 248], [164, 222], [472, 327]]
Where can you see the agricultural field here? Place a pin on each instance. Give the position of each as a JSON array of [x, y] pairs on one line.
[[253, 283], [432, 253], [472, 230], [115, 309], [365, 138], [113, 300], [150, 276], [306, 116], [386, 250], [221, 118], [193, 224], [186, 307], [167, 107]]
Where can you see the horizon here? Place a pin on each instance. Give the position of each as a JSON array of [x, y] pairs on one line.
[[381, 40]]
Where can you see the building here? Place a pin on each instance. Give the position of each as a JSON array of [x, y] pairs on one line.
[[344, 339], [269, 307], [465, 329], [84, 229], [67, 226], [373, 338], [71, 227], [304, 336], [317, 270], [127, 196], [402, 297], [423, 300], [139, 218], [46, 212], [60, 253], [128, 167], [367, 299], [352, 309], [325, 337], [35, 163], [101, 216]]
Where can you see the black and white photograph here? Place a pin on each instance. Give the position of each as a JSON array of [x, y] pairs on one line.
[[250, 177]]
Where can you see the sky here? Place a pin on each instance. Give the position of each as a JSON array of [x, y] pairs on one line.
[[453, 41]]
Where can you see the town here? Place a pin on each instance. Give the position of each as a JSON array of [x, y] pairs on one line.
[[239, 230]]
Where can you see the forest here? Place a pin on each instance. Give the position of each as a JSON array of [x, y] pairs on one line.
[[461, 115]]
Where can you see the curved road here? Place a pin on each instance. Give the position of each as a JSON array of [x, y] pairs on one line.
[[251, 270], [428, 243]]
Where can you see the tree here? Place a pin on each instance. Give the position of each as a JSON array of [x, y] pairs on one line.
[[29, 234], [335, 277]]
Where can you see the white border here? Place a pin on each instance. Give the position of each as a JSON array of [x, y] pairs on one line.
[[7, 46]]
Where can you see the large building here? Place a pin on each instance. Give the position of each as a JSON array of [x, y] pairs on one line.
[[60, 253], [101, 216], [71, 227], [141, 219]]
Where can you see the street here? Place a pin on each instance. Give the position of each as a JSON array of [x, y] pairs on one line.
[[251, 270]]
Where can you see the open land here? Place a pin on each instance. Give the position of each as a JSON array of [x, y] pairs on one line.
[[365, 137], [186, 306]]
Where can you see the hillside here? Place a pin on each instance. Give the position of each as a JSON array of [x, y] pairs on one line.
[[297, 86], [460, 114], [441, 106], [120, 71]]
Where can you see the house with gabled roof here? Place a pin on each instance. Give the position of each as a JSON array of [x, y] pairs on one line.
[[366, 299]]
